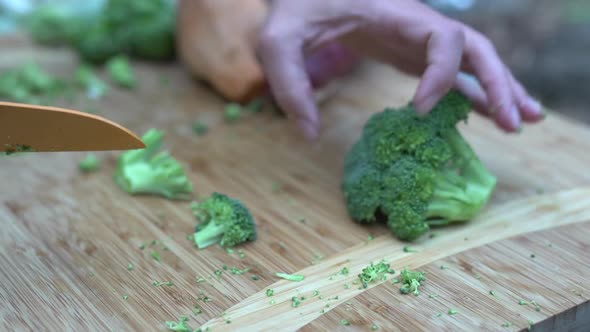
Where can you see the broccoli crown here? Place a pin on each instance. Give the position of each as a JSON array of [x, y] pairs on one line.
[[223, 220], [416, 171], [151, 171], [411, 280]]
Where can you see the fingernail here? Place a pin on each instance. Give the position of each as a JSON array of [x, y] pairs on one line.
[[514, 118], [536, 106]]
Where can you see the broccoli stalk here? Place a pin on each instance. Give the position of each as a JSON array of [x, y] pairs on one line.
[[151, 171], [223, 220], [463, 189]]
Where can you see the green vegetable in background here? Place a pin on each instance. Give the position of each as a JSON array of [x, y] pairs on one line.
[[51, 24], [30, 84], [223, 220], [121, 72], [416, 171], [89, 81], [151, 171]]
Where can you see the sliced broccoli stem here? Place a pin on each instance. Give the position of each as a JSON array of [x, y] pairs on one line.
[[209, 235], [460, 193]]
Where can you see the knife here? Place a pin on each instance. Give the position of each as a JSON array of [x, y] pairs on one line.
[[25, 127]]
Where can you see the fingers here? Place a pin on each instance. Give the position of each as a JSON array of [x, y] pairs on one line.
[[445, 50], [283, 61], [492, 75], [329, 62], [530, 109], [470, 87]]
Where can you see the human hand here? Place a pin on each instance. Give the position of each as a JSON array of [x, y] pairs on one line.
[[404, 33]]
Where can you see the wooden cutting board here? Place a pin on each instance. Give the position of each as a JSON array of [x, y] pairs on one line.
[[68, 238]]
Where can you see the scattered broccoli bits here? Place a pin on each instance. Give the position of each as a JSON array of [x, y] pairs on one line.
[[453, 312], [290, 277], [200, 128], [29, 84], [121, 72], [86, 78], [411, 281], [375, 272], [151, 171], [179, 326], [223, 220], [90, 163], [270, 292], [416, 171], [232, 112]]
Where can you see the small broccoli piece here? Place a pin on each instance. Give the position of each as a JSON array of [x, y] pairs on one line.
[[89, 164], [453, 312], [88, 80], [200, 128], [270, 292], [232, 112], [375, 272], [51, 24], [148, 171], [223, 220], [290, 277], [30, 84], [179, 326], [121, 71], [411, 280], [416, 171]]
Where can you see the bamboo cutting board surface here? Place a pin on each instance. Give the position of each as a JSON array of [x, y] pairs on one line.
[[68, 238]]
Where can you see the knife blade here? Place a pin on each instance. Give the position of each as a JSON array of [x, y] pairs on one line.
[[25, 127]]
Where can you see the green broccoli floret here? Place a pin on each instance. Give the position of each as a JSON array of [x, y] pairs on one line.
[[232, 112], [52, 24], [416, 171], [29, 83], [89, 164], [411, 280], [151, 171], [121, 71], [223, 220], [375, 272]]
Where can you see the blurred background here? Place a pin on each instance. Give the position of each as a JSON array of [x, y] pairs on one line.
[[545, 42]]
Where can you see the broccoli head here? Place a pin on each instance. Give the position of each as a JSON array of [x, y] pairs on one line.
[[416, 171], [151, 171], [223, 220]]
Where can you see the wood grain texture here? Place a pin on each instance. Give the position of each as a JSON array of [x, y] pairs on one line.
[[67, 237], [506, 221]]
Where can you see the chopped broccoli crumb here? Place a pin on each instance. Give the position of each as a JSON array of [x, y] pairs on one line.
[[156, 255], [255, 277], [272, 302], [89, 164], [507, 324], [344, 271], [344, 322], [371, 237], [121, 71], [532, 255], [432, 296], [530, 327], [130, 267], [270, 292], [411, 280], [295, 301], [409, 249], [179, 326], [197, 311], [493, 293], [201, 279], [453, 312], [223, 220], [125, 297], [374, 272], [374, 327], [236, 271], [218, 273], [534, 303], [255, 105], [232, 112], [438, 314], [316, 293], [290, 277], [241, 254], [443, 267], [163, 283], [148, 171], [200, 128]]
